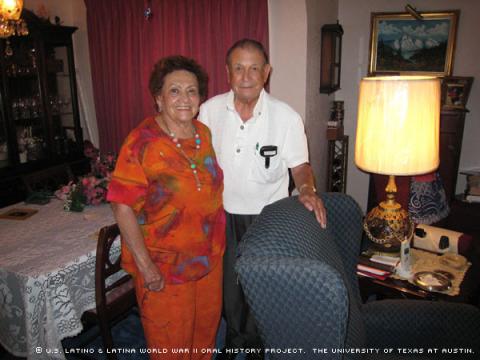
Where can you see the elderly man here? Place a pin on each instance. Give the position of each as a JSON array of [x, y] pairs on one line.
[[257, 138]]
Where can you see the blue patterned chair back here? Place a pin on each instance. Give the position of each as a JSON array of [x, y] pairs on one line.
[[300, 279]]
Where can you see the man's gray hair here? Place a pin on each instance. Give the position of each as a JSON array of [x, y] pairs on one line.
[[247, 43]]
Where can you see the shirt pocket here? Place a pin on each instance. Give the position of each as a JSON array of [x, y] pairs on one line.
[[260, 174]]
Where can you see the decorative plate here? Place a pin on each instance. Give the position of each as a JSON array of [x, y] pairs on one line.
[[431, 281], [445, 273]]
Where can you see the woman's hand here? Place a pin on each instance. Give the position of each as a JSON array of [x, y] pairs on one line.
[[132, 235], [153, 279]]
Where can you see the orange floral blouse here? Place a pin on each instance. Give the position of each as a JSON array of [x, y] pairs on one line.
[[183, 228]]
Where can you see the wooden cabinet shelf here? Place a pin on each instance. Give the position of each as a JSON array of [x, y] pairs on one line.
[[337, 164]]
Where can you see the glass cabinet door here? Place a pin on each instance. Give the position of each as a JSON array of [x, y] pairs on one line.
[[59, 97], [4, 156], [24, 100], [39, 112]]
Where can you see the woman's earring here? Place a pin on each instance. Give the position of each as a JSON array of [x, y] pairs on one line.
[[158, 107]]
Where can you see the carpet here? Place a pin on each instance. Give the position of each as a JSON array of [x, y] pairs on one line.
[[128, 340]]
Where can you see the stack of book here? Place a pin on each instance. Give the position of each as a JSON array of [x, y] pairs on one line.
[[472, 192], [376, 266]]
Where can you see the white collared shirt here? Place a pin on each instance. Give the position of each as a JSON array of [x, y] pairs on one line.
[[248, 184]]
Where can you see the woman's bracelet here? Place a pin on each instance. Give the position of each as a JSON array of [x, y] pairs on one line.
[[303, 186]]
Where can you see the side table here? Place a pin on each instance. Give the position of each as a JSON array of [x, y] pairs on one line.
[[464, 217], [401, 289]]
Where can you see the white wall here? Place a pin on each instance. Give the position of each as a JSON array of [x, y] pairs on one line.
[[288, 49], [73, 13], [294, 30], [319, 12], [354, 16], [84, 72]]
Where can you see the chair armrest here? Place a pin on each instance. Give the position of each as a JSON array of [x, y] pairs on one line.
[[418, 323], [296, 302], [345, 224], [344, 215]]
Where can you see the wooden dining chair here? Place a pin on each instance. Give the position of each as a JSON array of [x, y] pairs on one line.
[[114, 300], [49, 179]]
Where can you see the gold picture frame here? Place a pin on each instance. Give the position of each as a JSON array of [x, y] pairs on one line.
[[403, 45], [455, 91]]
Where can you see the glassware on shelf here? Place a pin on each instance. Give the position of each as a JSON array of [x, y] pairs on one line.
[[27, 108], [22, 134], [15, 110], [30, 147], [3, 152], [33, 57], [11, 70], [26, 65], [18, 70], [23, 109], [8, 49], [59, 105], [35, 107], [53, 102], [35, 148]]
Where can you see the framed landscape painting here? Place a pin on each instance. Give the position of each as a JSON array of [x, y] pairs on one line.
[[401, 44]]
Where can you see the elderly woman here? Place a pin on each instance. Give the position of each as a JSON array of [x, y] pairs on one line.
[[166, 195]]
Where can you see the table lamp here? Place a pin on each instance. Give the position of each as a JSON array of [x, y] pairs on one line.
[[397, 134]]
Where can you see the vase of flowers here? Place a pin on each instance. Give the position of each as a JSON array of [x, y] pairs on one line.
[[72, 196], [90, 189]]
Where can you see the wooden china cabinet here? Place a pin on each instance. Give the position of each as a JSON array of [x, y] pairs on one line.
[[452, 123], [39, 115]]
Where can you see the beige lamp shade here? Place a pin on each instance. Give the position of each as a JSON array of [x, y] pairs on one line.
[[398, 125]]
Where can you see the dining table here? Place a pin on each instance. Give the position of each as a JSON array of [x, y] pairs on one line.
[[47, 275]]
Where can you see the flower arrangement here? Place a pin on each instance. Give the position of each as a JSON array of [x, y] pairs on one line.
[[90, 189], [72, 196]]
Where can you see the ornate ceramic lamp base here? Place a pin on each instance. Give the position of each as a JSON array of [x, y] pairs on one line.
[[387, 225]]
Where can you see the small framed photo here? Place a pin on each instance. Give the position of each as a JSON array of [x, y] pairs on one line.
[[18, 213], [403, 45], [455, 91]]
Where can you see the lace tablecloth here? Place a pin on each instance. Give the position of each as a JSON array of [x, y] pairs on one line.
[[426, 261], [47, 266]]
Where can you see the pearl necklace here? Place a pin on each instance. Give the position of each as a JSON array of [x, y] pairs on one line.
[[193, 165]]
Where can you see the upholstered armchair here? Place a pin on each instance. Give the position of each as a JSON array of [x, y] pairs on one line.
[[300, 281]]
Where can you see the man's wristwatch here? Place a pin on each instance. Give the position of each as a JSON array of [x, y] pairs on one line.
[[303, 186]]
